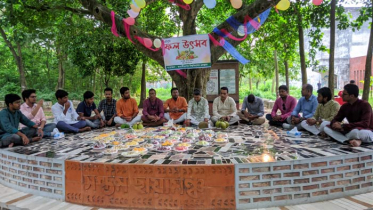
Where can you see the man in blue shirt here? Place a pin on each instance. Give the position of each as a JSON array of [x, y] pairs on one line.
[[9, 121], [306, 105], [255, 111], [85, 109]]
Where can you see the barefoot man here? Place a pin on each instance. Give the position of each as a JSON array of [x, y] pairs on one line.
[[10, 118], [360, 119]]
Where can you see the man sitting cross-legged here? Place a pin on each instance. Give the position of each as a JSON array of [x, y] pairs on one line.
[[127, 110], [108, 107], [224, 107], [198, 109], [10, 118], [175, 108], [34, 112], [65, 115], [360, 119], [152, 113], [85, 109], [325, 112], [255, 110]]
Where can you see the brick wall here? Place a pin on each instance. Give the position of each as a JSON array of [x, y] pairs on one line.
[[357, 70]]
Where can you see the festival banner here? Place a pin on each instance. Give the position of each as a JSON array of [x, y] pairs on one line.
[[187, 52]]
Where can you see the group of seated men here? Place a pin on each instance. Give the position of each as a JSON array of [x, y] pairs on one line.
[[320, 115]]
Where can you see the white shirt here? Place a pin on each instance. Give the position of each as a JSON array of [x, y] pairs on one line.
[[70, 117], [226, 108]]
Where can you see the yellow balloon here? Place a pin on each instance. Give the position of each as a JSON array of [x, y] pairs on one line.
[[188, 1], [140, 3], [134, 8], [283, 5], [236, 4]]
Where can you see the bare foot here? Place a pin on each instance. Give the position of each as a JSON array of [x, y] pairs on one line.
[[11, 145], [355, 142], [36, 138], [85, 129]]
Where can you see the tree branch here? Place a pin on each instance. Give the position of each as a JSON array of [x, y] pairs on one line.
[[45, 7]]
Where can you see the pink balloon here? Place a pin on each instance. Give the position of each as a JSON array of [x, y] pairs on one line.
[[317, 2], [148, 42], [130, 21]]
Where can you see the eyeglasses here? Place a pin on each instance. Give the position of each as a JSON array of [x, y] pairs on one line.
[[283, 107], [32, 96]]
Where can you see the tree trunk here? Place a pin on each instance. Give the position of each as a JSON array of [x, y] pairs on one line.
[[61, 70], [276, 72], [257, 84], [368, 64], [287, 75], [17, 58], [301, 43], [143, 84], [332, 46]]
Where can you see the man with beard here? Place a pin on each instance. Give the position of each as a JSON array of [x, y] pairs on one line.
[[224, 107], [127, 110], [175, 107], [198, 109], [153, 112], [325, 112], [306, 105], [108, 106], [255, 111], [65, 116], [34, 112], [10, 118], [285, 104], [360, 119]]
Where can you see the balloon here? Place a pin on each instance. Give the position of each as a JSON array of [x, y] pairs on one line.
[[148, 42], [317, 2], [241, 30], [135, 8], [140, 3], [236, 4], [157, 43], [132, 14], [283, 5], [188, 1], [210, 3], [130, 21]]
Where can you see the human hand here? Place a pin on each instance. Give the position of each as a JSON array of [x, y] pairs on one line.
[[311, 121], [25, 139], [337, 126], [247, 115], [40, 103], [40, 133], [187, 122], [276, 118], [206, 119], [228, 118], [67, 105]]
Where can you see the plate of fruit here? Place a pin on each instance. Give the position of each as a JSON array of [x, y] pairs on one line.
[[181, 148], [221, 140], [140, 150], [98, 145], [164, 149], [110, 151], [121, 147], [203, 143], [132, 143], [130, 154]]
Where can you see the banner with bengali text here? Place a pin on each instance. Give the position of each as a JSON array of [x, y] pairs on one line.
[[187, 52]]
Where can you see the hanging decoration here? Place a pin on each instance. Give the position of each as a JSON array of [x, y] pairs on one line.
[[283, 5], [113, 25], [317, 2], [236, 4], [210, 3], [188, 1]]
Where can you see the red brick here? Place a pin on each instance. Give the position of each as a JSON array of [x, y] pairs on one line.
[[282, 182], [354, 187], [343, 168], [261, 184], [248, 178], [312, 172], [272, 191], [243, 201], [366, 171], [261, 169], [301, 181], [249, 193], [281, 168], [369, 184], [282, 197], [303, 195], [261, 199], [370, 177], [360, 165], [244, 170], [328, 184], [327, 170], [343, 182], [243, 185], [292, 174], [291, 189], [360, 179], [369, 164], [368, 157], [335, 162], [318, 193], [318, 179], [351, 160], [311, 187], [301, 166], [349, 174], [336, 176], [336, 190], [271, 176], [318, 164]]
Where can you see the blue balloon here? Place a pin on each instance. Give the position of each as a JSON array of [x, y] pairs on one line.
[[210, 3]]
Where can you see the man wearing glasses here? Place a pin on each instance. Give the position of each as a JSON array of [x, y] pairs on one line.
[[325, 112], [285, 104], [360, 119], [255, 111], [34, 112]]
